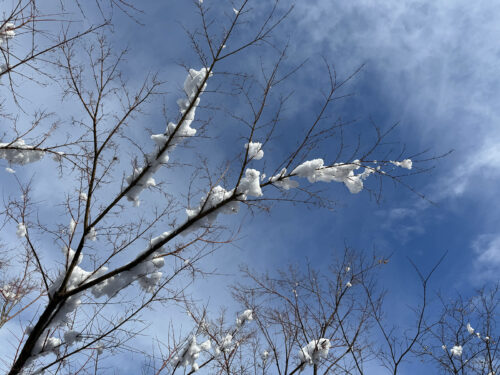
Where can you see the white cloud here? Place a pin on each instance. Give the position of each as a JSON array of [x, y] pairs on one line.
[[477, 174], [435, 63], [401, 213], [402, 222], [487, 262]]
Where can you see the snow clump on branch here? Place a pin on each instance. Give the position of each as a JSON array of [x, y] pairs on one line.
[[19, 152], [243, 317], [194, 85], [314, 171], [249, 186], [255, 151], [7, 32], [407, 163], [145, 272], [214, 197], [9, 292], [226, 345], [21, 230], [315, 351], [190, 354], [283, 182], [456, 351], [92, 234]]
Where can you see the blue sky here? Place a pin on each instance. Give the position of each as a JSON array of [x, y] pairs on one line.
[[432, 66]]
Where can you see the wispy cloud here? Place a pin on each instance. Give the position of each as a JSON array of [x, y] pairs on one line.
[[487, 261], [435, 64], [478, 174], [402, 222]]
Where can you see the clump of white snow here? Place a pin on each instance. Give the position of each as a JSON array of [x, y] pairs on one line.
[[314, 171], [226, 344], [9, 292], [283, 182], [7, 31], [21, 230], [71, 336], [407, 163], [190, 354], [244, 317], [250, 184], [456, 351], [47, 345], [470, 329], [174, 133], [315, 351], [255, 151], [215, 196], [92, 234], [146, 273], [69, 254], [19, 152], [72, 226]]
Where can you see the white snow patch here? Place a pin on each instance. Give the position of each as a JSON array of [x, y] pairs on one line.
[[7, 32], [174, 132], [407, 163], [190, 354], [9, 292], [92, 234], [215, 196], [71, 336], [72, 226], [314, 171], [19, 152], [456, 351], [283, 182], [315, 351], [21, 230], [244, 317], [255, 151], [250, 184]]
